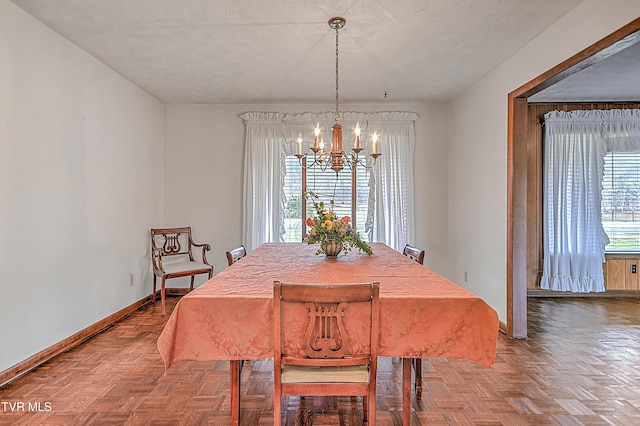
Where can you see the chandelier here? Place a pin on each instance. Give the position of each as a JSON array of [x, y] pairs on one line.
[[337, 158]]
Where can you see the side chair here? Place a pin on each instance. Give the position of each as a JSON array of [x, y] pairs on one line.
[[417, 255], [236, 254], [414, 253], [326, 361], [172, 257], [232, 257]]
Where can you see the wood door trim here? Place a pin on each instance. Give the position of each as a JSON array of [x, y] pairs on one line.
[[517, 175], [614, 43]]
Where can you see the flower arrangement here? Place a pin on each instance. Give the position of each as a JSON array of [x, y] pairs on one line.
[[328, 229]]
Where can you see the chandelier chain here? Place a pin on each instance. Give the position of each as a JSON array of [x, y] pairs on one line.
[[337, 117]]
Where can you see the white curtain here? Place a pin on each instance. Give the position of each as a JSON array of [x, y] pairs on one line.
[[263, 204], [270, 137], [393, 174], [574, 239]]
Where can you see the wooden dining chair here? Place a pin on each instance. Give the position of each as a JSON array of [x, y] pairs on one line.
[[236, 254], [323, 362], [416, 254], [232, 257], [172, 257]]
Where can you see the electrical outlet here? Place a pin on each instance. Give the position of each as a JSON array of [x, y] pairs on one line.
[[466, 277], [130, 280]]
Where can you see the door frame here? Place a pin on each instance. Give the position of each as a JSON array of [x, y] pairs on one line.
[[517, 179]]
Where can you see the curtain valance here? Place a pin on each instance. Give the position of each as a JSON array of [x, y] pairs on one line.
[[314, 117], [618, 129]]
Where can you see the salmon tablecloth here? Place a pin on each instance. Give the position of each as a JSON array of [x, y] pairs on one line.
[[422, 314]]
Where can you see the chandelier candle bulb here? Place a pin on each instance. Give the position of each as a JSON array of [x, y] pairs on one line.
[[356, 142], [374, 143], [300, 144], [316, 138]]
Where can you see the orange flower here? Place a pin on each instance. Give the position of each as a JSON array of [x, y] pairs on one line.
[[346, 218], [310, 222]]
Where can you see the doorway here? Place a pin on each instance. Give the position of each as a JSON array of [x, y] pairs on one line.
[[519, 210]]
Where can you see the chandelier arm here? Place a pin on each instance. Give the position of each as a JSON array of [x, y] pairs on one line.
[[318, 160], [350, 160], [302, 160]]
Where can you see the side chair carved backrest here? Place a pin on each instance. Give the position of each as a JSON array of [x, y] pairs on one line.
[[236, 254], [326, 360], [414, 253], [172, 256]]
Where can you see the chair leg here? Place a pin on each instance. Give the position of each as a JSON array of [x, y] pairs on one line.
[[417, 368], [154, 289], [277, 415], [406, 391], [371, 421], [235, 369], [365, 408], [277, 391], [192, 277], [164, 310]]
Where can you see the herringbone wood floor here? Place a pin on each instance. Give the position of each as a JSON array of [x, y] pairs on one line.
[[580, 366]]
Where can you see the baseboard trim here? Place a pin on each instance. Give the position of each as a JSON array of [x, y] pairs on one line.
[[609, 293], [502, 327], [173, 292], [33, 362]]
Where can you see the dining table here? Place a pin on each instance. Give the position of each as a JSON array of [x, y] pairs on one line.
[[422, 314]]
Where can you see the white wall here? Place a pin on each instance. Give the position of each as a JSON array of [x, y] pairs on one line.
[[478, 145], [80, 186], [204, 156]]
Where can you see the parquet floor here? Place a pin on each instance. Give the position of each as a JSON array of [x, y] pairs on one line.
[[580, 366]]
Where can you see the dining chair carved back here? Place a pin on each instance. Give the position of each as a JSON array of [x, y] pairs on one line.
[[236, 254], [326, 342], [414, 253]]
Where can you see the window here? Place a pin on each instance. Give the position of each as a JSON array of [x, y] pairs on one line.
[[621, 201], [327, 186], [387, 216], [293, 200]]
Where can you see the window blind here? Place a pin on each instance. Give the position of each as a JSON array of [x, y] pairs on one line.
[[621, 201], [327, 185]]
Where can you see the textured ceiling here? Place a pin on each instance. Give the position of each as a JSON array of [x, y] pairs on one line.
[[273, 51]]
